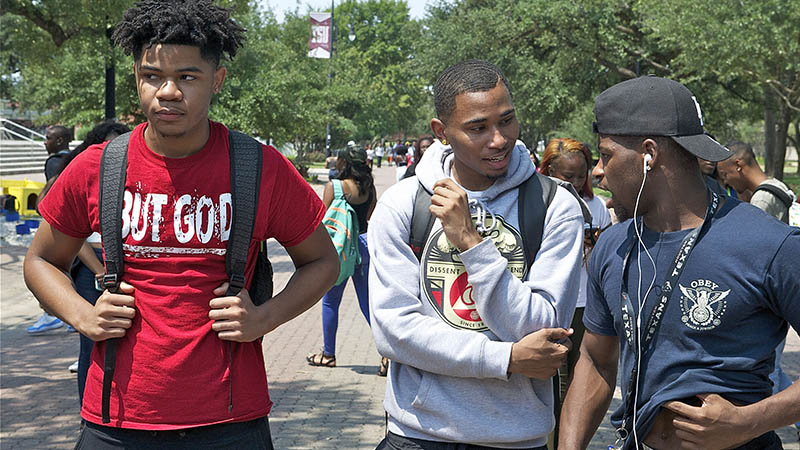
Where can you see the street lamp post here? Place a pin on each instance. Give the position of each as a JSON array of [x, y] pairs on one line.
[[110, 78], [351, 37]]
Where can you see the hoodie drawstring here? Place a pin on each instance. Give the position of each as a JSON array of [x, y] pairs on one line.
[[477, 207]]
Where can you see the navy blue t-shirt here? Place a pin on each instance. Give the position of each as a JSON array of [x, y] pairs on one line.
[[729, 311]]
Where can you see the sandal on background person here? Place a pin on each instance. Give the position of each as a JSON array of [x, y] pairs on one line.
[[321, 359]]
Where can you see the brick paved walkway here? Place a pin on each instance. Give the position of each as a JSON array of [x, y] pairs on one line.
[[315, 408]]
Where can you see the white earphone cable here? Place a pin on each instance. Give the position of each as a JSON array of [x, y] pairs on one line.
[[641, 299]]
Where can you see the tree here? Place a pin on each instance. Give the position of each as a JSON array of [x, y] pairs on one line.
[[278, 92], [740, 58], [272, 89], [549, 50], [55, 53], [382, 92], [63, 20], [753, 44]]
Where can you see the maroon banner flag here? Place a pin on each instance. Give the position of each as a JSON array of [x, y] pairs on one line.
[[319, 45]]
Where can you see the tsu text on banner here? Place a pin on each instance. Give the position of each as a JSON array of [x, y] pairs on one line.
[[319, 45]]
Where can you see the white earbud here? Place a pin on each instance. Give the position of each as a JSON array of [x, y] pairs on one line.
[[641, 299]]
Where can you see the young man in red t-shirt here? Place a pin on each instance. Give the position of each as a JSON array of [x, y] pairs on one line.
[[179, 383]]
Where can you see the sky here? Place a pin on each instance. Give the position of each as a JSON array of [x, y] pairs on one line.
[[417, 7]]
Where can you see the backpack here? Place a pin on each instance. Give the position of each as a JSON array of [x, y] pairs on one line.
[[341, 222], [245, 162], [534, 197], [793, 217]]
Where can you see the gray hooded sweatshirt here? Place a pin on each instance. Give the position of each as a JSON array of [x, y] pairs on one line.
[[449, 338]]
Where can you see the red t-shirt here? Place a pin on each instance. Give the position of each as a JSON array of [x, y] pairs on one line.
[[172, 369]]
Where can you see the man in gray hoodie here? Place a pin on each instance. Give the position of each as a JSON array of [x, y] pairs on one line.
[[473, 333]]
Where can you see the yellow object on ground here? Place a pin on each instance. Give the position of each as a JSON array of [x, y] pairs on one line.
[[26, 192]]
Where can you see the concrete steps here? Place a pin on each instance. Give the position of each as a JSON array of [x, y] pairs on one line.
[[23, 157]]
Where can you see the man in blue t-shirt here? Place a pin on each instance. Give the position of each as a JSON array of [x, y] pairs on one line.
[[695, 362], [57, 145]]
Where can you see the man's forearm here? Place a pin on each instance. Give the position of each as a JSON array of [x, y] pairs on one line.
[[585, 405], [718, 424], [773, 412], [53, 288]]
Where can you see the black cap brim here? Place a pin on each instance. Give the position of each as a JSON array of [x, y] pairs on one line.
[[704, 146]]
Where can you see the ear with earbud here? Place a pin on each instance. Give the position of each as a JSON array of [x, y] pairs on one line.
[[647, 158]]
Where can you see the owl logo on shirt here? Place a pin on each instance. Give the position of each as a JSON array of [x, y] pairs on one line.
[[444, 276], [703, 304]]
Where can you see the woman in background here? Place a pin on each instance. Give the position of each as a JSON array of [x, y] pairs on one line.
[[570, 160], [422, 145], [358, 187]]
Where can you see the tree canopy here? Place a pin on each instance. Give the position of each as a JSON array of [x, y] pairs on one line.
[[739, 57]]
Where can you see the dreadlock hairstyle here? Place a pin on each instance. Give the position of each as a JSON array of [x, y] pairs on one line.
[[474, 75], [97, 135], [198, 23]]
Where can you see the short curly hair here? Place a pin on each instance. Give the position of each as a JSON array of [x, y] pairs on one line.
[[199, 23], [474, 75]]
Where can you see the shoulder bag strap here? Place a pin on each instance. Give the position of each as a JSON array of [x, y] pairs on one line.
[[421, 220], [245, 161], [338, 191], [777, 192], [245, 156], [535, 195], [113, 166]]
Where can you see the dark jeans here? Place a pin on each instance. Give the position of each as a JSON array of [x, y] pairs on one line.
[[84, 285], [397, 442], [562, 378], [252, 435], [767, 441]]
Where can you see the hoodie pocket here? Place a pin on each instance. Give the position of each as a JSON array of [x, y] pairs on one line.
[[422, 391], [538, 392]]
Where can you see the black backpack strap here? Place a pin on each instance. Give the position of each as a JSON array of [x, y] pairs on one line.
[[585, 211], [421, 221], [539, 188], [535, 195], [777, 192], [245, 160], [113, 166]]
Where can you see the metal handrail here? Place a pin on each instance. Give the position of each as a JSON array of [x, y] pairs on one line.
[[6, 121], [23, 137]]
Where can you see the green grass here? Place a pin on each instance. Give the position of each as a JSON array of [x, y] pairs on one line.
[[791, 177], [793, 181], [601, 192]]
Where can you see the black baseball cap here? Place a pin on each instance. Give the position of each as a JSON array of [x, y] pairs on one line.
[[653, 106]]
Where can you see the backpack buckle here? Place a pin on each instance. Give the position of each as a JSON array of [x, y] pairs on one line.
[[236, 283], [109, 280]]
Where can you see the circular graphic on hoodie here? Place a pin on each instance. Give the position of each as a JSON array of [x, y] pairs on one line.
[[444, 277]]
